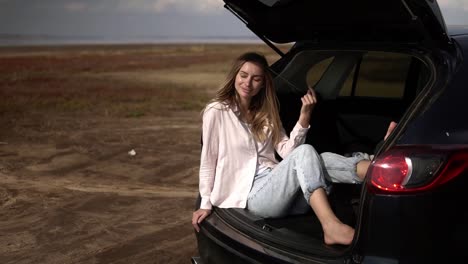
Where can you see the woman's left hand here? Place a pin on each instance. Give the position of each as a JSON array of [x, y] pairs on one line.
[[309, 100]]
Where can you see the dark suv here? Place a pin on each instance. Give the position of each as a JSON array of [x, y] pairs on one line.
[[371, 62]]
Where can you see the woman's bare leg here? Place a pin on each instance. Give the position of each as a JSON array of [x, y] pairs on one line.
[[335, 232], [361, 168]]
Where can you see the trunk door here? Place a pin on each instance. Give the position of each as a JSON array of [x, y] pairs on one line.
[[413, 22]]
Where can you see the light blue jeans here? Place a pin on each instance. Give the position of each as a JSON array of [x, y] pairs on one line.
[[286, 189]]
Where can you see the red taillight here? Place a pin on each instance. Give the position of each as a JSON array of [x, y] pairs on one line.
[[390, 173], [411, 169]]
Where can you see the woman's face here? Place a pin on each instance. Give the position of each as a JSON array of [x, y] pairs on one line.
[[249, 81]]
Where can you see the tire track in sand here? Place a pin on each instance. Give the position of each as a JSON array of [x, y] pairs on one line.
[[140, 191]]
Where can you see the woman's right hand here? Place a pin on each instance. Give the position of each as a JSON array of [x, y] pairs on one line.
[[198, 217], [309, 100]]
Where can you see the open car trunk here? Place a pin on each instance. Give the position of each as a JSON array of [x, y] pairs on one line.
[[360, 92], [370, 63], [297, 234]]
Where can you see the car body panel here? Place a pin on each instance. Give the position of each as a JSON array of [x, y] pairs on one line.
[[441, 123]]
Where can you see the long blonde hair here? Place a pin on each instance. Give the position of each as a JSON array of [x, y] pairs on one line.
[[264, 105]]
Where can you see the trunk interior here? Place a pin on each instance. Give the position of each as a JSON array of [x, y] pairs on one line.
[[360, 93]]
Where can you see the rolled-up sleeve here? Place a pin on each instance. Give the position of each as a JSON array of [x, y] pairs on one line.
[[287, 144], [209, 156]]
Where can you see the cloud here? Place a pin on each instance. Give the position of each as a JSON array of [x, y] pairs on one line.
[[181, 6], [193, 7], [197, 6], [454, 4], [75, 6], [208, 5]]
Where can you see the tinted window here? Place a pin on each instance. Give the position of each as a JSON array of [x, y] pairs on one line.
[[380, 74], [315, 73]]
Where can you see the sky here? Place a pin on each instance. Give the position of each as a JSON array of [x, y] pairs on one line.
[[142, 18]]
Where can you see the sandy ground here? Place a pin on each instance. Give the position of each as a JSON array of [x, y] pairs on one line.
[[70, 192], [81, 197]]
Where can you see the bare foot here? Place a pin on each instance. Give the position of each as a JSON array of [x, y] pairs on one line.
[[338, 233], [390, 128]]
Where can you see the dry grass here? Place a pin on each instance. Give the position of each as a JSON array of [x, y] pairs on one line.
[[120, 81]]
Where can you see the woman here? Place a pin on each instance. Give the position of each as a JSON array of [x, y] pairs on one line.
[[242, 130]]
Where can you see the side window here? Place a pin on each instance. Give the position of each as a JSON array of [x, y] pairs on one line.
[[380, 74], [317, 70]]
